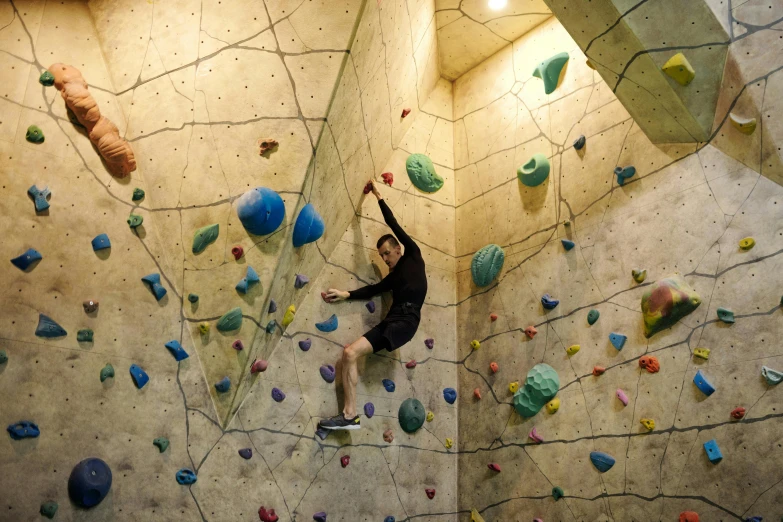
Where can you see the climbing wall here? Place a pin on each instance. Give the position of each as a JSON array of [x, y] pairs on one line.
[[684, 212]]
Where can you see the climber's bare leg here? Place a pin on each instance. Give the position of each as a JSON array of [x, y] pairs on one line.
[[350, 371]]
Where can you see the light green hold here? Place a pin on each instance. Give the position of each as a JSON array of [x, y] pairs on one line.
[[162, 443], [422, 173], [49, 509], [3, 357], [134, 220], [535, 171], [486, 264], [204, 236], [106, 372], [34, 134], [84, 336], [231, 320], [549, 71], [540, 387], [138, 194], [46, 79]]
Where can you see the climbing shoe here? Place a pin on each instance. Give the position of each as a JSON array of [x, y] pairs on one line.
[[339, 422]]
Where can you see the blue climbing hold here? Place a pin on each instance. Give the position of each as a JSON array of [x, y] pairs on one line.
[[272, 306], [47, 327], [246, 453], [223, 385], [330, 325], [450, 394], [322, 432], [579, 143], [389, 385], [153, 281], [301, 280], [23, 430], [261, 210], [617, 340], [39, 197], [24, 261], [754, 519], [89, 482], [370, 306], [320, 516], [278, 395], [486, 264], [270, 326], [305, 345], [703, 384], [623, 174], [389, 519], [567, 244], [249, 280], [328, 373], [548, 302], [176, 350], [100, 242], [186, 477], [713, 451], [369, 409], [140, 377], [603, 462], [309, 226]]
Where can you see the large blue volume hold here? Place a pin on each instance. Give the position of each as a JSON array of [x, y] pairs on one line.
[[24, 261], [176, 350], [309, 226], [330, 325], [703, 384], [603, 462], [47, 327], [23, 430], [100, 242], [153, 281], [260, 210], [713, 451], [140, 377], [90, 482], [486, 264], [450, 394]]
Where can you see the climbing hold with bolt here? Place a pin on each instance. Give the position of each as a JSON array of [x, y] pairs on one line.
[[230, 321], [261, 210], [237, 251], [330, 325], [623, 173], [106, 372], [549, 71], [388, 436], [475, 344], [744, 125], [90, 306], [203, 328], [449, 443], [703, 353], [450, 395], [747, 243], [305, 344], [411, 415], [89, 482], [3, 357], [84, 336], [138, 194], [24, 261], [713, 451], [267, 515], [270, 326], [139, 376], [238, 345], [726, 315], [100, 242], [49, 508], [592, 316], [603, 462], [430, 493], [278, 395], [389, 385], [46, 79], [679, 69], [251, 278], [617, 340], [650, 363], [258, 366], [703, 384], [553, 405], [223, 385], [320, 516], [48, 328], [162, 443], [40, 197], [410, 364], [494, 466], [535, 171], [135, 220], [246, 453], [367, 188], [598, 370], [176, 350], [571, 350], [513, 387], [579, 143], [622, 396], [648, 423], [494, 367], [567, 244], [738, 412], [369, 410], [531, 331], [689, 516], [557, 493], [548, 302], [23, 430], [493, 318], [153, 283], [430, 416], [301, 280], [429, 343], [205, 236], [639, 274], [34, 134], [186, 477], [541, 385]]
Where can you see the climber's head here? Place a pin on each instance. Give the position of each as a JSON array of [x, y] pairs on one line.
[[389, 249]]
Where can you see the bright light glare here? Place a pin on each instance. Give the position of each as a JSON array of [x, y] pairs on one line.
[[497, 4]]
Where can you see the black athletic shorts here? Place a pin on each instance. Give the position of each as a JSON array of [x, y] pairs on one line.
[[396, 329]]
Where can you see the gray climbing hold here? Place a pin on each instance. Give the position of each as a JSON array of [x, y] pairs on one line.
[[205, 236], [486, 264], [193, 298], [549, 71], [186, 477], [246, 453], [623, 174], [603, 462], [567, 244], [135, 220], [153, 282], [23, 430], [176, 350], [617, 340], [773, 377], [411, 415], [48, 328], [138, 194], [249, 280], [49, 508], [272, 306], [703, 384], [305, 345], [330, 325], [370, 306], [328, 373], [369, 409], [231, 320], [322, 432], [40, 197], [422, 173], [549, 302], [101, 242], [140, 377], [223, 385], [24, 261], [278, 395], [592, 316], [3, 357], [270, 326], [106, 372], [726, 315], [301, 280], [579, 143], [535, 171], [162, 443], [713, 451], [84, 336]]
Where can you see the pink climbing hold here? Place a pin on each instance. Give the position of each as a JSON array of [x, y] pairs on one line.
[[535, 437], [405, 112], [537, 520], [410, 364], [430, 493], [531, 331], [267, 515], [429, 343], [259, 365], [388, 178], [477, 393], [237, 345], [622, 396], [494, 466], [345, 460], [326, 299], [237, 252], [738, 412], [598, 370], [494, 367], [368, 187], [388, 436], [493, 317]]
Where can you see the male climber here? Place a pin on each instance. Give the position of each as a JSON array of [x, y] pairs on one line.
[[407, 281]]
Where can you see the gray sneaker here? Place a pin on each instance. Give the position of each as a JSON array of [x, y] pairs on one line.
[[339, 422]]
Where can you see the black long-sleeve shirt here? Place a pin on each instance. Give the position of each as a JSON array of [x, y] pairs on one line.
[[408, 280]]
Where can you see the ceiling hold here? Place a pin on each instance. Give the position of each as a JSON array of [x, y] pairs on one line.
[[470, 31]]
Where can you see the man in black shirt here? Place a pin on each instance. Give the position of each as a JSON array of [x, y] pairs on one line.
[[407, 281]]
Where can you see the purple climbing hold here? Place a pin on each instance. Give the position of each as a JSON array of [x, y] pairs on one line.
[[389, 385], [238, 345], [246, 453], [327, 372], [305, 345], [278, 395], [370, 306], [272, 306], [320, 516], [301, 280], [429, 343], [322, 432], [369, 409]]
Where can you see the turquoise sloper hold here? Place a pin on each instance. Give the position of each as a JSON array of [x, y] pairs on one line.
[[270, 326], [726, 315], [330, 325], [422, 173], [773, 377], [623, 174], [223, 385], [176, 350], [47, 327], [204, 236], [153, 281], [231, 320], [567, 244], [549, 71], [592, 316], [617, 340], [603, 462], [261, 210], [100, 242], [486, 264], [309, 226], [535, 171], [24, 261], [140, 377], [541, 385], [249, 280]]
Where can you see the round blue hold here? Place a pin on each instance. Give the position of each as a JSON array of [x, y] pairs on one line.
[[369, 409], [186, 477], [90, 482], [261, 210], [450, 394], [309, 226], [389, 385]]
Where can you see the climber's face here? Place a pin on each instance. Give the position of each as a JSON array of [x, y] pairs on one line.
[[390, 254]]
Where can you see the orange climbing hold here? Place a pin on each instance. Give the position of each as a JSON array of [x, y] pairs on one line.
[[477, 393], [738, 412], [598, 370], [494, 367], [689, 516], [650, 363], [531, 331], [493, 317]]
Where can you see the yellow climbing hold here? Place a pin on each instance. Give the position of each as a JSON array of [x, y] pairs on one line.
[[747, 243], [553, 405], [648, 423], [679, 69], [430, 416], [475, 344], [704, 353], [449, 443], [475, 517], [513, 387], [288, 318], [590, 64], [572, 349], [744, 125], [203, 328]]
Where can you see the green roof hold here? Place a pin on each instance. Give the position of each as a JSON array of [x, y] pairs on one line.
[[46, 79], [34, 134], [679, 69], [231, 320], [137, 194], [421, 171], [84, 336], [535, 171], [549, 71], [204, 236], [106, 372]]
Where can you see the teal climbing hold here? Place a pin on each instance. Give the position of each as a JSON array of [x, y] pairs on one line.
[[617, 340], [223, 385], [541, 385], [49, 508], [713, 451], [270, 326], [140, 377], [176, 350], [535, 171], [106, 372], [557, 493], [24, 261], [592, 316], [330, 325], [204, 236], [549, 71], [231, 320], [249, 280], [773, 377], [486, 264], [422, 173], [39, 197], [135, 220], [47, 327], [726, 315], [101, 242], [603, 462], [138, 194], [193, 298], [84, 336], [162, 443], [3, 357], [34, 134], [623, 174], [567, 244], [411, 415], [309, 226], [46, 79], [153, 282]]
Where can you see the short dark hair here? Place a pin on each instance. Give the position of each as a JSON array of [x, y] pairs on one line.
[[387, 237]]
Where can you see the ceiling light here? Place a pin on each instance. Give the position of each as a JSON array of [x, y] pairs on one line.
[[497, 4]]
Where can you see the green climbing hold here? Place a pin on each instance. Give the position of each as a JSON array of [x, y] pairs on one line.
[[34, 134], [411, 415], [193, 298], [592, 316], [137, 194], [135, 220], [557, 493], [679, 69], [162, 443], [49, 508], [106, 372], [726, 315], [84, 336], [549, 71], [535, 171], [3, 357], [486, 264], [422, 173], [46, 78], [231, 320], [204, 236], [541, 386]]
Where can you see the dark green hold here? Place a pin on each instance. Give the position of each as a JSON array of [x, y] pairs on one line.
[[231, 320], [106, 372], [592, 316], [138, 194], [135, 220], [193, 298], [162, 443], [204, 236], [411, 415], [34, 134], [3, 357], [557, 493], [84, 336], [46, 79], [726, 315], [49, 508], [270, 326]]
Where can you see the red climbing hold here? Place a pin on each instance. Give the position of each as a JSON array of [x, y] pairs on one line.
[[598, 370], [689, 516], [267, 516], [405, 112], [650, 363], [388, 178], [477, 393], [493, 317], [238, 345], [494, 367], [410, 364], [345, 460], [237, 252], [738, 412], [494, 467], [326, 299], [368, 187], [430, 493], [531, 331], [259, 365]]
